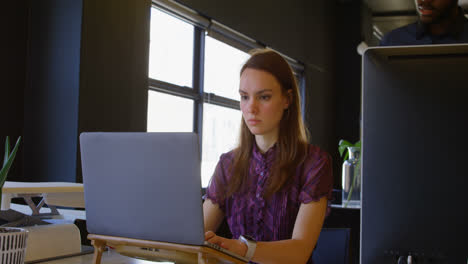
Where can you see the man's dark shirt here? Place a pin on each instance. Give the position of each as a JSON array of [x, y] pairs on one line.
[[418, 34]]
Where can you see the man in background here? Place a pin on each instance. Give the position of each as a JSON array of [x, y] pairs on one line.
[[440, 22]]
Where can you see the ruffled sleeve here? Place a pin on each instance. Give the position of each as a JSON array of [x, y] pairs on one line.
[[318, 177], [218, 182]]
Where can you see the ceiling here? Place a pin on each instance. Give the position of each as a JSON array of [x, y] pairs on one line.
[[390, 6], [390, 14]]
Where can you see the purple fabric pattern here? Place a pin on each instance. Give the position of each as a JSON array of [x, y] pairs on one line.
[[271, 219]]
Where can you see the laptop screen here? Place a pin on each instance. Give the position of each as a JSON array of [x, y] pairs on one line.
[[143, 186]]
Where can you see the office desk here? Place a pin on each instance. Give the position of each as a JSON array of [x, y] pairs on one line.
[[108, 257]]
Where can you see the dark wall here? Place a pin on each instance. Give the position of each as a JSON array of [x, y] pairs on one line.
[[51, 95], [278, 24], [13, 53], [319, 37], [347, 69], [69, 66], [114, 66]]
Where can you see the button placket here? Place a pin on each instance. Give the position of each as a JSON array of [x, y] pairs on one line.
[[260, 202], [261, 170]]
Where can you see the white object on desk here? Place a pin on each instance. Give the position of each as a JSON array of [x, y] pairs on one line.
[[61, 238], [50, 241], [65, 194]]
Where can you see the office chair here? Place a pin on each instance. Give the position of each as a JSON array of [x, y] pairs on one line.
[[332, 246]]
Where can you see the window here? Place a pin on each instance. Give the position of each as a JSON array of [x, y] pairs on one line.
[[171, 49], [219, 55], [168, 113], [220, 124], [220, 134], [194, 80]]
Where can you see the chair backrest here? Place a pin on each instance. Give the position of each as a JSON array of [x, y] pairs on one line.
[[332, 246]]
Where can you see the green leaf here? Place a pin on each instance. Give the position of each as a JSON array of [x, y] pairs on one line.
[[9, 161], [7, 150], [358, 144], [343, 146]]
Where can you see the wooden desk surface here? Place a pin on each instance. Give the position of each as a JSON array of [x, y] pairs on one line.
[[108, 257]]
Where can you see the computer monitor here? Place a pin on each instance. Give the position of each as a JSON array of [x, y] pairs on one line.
[[414, 154]]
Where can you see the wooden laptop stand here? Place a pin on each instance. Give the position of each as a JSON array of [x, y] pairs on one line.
[[160, 251]]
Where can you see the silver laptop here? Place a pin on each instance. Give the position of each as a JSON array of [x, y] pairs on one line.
[[144, 186]]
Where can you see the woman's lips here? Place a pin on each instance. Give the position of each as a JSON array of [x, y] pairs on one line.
[[253, 122]]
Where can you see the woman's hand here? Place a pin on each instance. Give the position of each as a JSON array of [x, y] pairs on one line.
[[232, 245]]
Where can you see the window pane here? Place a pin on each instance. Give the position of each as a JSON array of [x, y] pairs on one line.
[[220, 134], [222, 67], [168, 113], [171, 49]]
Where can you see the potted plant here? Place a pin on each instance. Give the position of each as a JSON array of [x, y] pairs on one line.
[[12, 240], [351, 171], [7, 161]]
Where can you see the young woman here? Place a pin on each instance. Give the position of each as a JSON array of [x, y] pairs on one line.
[[274, 187]]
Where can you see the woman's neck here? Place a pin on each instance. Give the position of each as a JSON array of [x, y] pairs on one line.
[[264, 142]]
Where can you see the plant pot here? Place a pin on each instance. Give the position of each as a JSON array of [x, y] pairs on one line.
[[12, 245], [352, 178]]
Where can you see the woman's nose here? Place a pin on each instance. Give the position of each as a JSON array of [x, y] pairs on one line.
[[252, 106]]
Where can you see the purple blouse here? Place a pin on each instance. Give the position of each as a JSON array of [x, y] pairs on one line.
[[273, 219]]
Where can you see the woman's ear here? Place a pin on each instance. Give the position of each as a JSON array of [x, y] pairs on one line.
[[288, 99]]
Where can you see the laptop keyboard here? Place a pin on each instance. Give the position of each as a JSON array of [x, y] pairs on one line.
[[230, 253], [215, 246]]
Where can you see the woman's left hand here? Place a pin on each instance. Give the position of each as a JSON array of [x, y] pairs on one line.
[[232, 245]]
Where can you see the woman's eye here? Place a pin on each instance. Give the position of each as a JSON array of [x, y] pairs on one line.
[[244, 97], [265, 97]]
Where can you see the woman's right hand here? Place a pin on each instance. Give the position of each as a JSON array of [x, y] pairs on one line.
[[232, 245]]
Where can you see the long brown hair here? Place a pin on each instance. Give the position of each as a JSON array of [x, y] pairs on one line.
[[291, 146]]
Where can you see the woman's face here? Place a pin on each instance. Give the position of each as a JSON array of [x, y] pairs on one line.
[[262, 102]]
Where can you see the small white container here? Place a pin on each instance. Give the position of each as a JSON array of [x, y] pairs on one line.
[[12, 245]]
